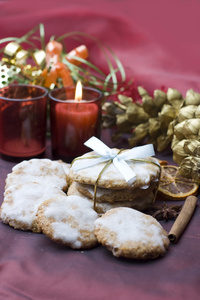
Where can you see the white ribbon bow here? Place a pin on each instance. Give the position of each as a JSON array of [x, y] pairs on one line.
[[119, 160]]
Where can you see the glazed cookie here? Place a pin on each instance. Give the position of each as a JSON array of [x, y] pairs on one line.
[[129, 233], [68, 220], [103, 206], [45, 171], [72, 190], [29, 184], [21, 203], [122, 195], [146, 171]]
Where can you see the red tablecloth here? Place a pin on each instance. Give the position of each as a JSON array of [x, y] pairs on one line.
[[157, 42]]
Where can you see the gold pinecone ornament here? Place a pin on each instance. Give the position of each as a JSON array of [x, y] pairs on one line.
[[186, 137], [146, 121]]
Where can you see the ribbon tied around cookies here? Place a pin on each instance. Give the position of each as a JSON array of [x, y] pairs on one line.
[[115, 156]]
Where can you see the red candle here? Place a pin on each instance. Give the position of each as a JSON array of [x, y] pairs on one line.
[[73, 121]]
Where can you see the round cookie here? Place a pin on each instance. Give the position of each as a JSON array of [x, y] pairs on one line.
[[45, 171], [29, 184], [112, 196], [146, 171], [21, 203], [68, 220], [129, 233], [102, 207]]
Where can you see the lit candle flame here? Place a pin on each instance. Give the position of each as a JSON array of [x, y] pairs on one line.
[[79, 91]]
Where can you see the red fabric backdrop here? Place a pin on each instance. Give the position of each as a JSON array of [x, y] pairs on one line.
[[157, 41]]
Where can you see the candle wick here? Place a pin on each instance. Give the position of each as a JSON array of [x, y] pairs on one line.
[[77, 103]]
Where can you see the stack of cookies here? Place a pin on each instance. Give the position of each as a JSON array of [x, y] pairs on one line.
[[109, 189]]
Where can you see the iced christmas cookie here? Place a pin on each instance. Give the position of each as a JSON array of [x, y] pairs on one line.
[[21, 203], [45, 171], [146, 172], [29, 184], [140, 203], [129, 233], [109, 195], [68, 220]]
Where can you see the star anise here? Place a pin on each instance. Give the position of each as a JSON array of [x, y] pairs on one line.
[[165, 212]]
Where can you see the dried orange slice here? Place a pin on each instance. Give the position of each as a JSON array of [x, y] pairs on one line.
[[173, 186]]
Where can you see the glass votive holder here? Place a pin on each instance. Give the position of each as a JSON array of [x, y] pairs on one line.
[[23, 110], [73, 122]]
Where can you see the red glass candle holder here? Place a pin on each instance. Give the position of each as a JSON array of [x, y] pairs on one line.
[[23, 111], [73, 122]]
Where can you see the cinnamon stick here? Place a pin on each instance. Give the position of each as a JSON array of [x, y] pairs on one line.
[[183, 218]]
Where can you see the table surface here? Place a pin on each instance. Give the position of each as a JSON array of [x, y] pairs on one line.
[[34, 267], [157, 42]]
